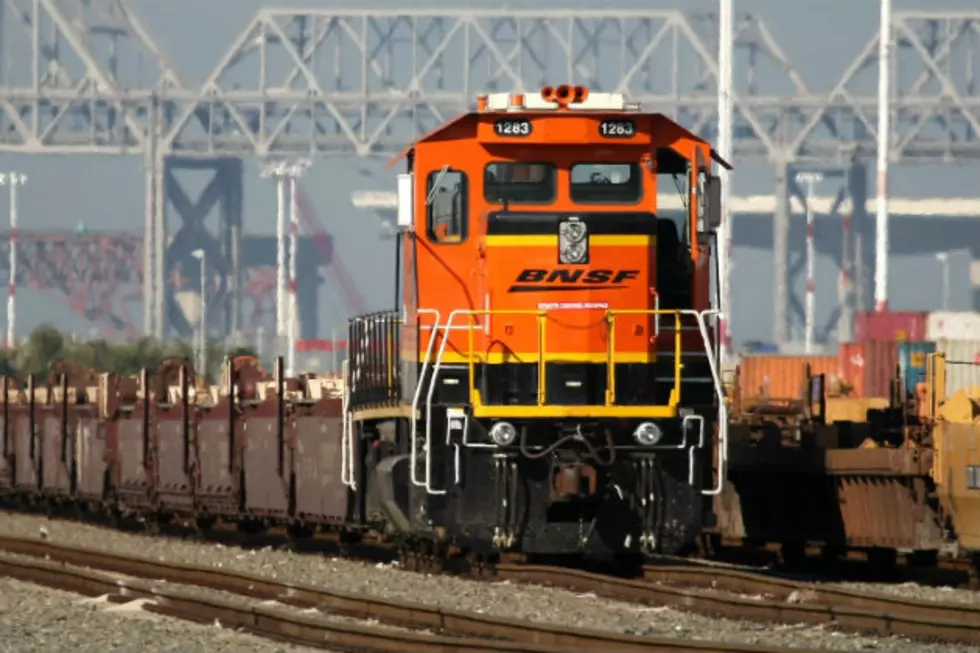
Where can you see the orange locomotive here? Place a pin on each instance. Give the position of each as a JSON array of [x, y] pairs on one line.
[[549, 382]]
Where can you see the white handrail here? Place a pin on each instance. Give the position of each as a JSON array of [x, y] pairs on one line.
[[722, 408], [347, 435], [413, 420], [436, 368]]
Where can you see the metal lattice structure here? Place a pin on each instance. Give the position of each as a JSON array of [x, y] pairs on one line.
[[98, 276], [366, 82]]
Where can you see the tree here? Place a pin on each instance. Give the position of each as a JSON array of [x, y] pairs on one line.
[[44, 347]]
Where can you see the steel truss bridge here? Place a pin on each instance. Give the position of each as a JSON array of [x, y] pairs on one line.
[[89, 77]]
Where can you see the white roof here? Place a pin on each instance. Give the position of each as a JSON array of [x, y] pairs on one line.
[[954, 207], [534, 102]]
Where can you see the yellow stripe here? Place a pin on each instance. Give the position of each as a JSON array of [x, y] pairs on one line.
[[598, 240], [498, 358], [572, 412]]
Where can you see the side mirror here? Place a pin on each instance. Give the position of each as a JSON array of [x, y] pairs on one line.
[[713, 192], [406, 201]]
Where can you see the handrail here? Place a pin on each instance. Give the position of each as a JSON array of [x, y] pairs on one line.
[[675, 394], [700, 317], [413, 420], [347, 434]]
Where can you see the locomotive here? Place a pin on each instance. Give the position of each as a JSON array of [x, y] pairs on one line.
[[549, 381]]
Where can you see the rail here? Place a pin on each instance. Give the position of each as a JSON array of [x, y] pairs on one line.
[[95, 572], [729, 593]]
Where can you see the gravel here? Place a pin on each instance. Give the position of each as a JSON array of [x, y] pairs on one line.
[[499, 599], [917, 592], [40, 620]]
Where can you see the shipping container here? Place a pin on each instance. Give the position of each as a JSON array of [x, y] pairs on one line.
[[949, 325], [890, 326], [782, 377], [962, 363], [868, 367], [912, 360]]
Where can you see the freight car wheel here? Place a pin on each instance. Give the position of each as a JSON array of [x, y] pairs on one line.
[[923, 558], [883, 560]]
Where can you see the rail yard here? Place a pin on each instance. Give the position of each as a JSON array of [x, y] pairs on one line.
[[86, 423], [536, 433]]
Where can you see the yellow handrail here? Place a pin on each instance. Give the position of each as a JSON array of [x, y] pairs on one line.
[[543, 358]]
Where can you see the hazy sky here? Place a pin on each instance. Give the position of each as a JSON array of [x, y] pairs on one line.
[[820, 38]]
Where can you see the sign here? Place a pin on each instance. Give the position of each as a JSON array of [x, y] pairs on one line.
[[619, 128], [535, 280], [512, 127], [572, 306]]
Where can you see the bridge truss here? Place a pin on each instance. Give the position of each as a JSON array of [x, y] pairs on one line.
[[88, 77]]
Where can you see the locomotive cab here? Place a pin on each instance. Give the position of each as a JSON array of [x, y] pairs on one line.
[[549, 382]]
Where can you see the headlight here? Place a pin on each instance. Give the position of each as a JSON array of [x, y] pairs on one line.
[[574, 253], [573, 231], [573, 242], [647, 434], [503, 433]]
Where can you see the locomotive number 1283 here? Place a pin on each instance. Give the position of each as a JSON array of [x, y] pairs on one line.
[[617, 129], [512, 127]]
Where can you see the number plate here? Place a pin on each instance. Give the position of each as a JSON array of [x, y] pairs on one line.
[[617, 129], [512, 127]]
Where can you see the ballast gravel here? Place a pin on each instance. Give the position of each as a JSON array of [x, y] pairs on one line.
[[498, 599], [917, 592], [35, 619]]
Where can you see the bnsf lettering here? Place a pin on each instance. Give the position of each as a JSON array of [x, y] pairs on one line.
[[563, 279]]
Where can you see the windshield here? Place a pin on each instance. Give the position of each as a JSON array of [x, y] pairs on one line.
[[606, 183], [521, 183]]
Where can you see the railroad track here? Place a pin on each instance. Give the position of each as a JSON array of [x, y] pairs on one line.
[[124, 578], [737, 594]]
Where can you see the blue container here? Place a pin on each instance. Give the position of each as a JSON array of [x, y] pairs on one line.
[[912, 362]]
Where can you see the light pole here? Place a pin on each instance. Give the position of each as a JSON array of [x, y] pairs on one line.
[[15, 179], [943, 258], [726, 36], [202, 352], [810, 179], [884, 140], [277, 171], [286, 174]]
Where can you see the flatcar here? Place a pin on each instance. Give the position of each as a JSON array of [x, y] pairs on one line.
[[548, 382]]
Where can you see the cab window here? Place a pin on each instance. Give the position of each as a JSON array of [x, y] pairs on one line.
[[519, 182], [446, 216], [606, 183]]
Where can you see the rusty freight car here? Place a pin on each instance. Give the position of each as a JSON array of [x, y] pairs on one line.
[[166, 446], [843, 473]]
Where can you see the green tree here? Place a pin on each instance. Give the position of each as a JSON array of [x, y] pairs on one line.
[[44, 347]]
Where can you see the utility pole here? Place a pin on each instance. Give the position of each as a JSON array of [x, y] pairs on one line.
[[884, 140], [810, 179], [286, 174], [15, 179], [726, 28], [202, 352]]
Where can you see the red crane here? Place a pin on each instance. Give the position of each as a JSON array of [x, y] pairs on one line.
[[311, 223]]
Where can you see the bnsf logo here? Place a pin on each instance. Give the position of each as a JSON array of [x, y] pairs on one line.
[[531, 280]]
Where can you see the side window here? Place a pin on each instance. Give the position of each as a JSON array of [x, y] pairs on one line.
[[446, 195]]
